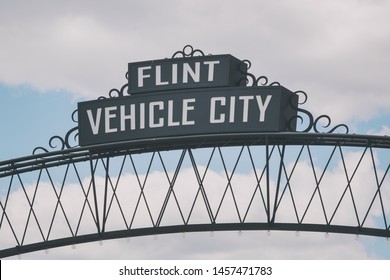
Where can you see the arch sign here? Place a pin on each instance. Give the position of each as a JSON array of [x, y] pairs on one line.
[[197, 95]]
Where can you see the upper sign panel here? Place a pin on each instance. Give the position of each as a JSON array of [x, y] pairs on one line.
[[186, 73]]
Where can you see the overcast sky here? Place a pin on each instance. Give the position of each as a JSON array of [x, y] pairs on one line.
[[56, 53]]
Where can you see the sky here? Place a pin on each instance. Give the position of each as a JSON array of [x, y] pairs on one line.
[[54, 54]]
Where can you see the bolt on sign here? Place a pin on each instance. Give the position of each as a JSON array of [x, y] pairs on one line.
[[202, 95]]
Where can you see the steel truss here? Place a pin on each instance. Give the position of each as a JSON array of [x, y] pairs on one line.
[[317, 182]]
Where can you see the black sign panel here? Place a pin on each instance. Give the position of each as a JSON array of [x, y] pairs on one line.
[[186, 112], [184, 73]]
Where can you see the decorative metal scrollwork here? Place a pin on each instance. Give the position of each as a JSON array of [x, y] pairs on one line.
[[113, 93], [313, 123], [58, 143], [188, 51], [250, 80]]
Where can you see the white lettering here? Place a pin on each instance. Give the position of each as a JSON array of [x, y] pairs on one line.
[[152, 106], [232, 108], [142, 115], [94, 123], [174, 73], [213, 118], [142, 75], [195, 75], [186, 108], [210, 65], [175, 113], [125, 117], [170, 114], [158, 77], [108, 116], [245, 107], [263, 106]]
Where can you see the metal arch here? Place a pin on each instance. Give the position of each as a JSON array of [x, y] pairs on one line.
[[96, 161], [273, 160]]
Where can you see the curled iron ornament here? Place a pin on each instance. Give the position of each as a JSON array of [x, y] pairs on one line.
[[313, 123], [188, 51], [58, 143], [250, 79], [74, 116], [113, 93], [328, 122]]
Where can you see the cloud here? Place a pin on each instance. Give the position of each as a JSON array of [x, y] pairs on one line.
[[384, 131], [216, 246], [335, 51], [229, 203]]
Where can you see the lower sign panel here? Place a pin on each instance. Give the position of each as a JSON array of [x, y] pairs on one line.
[[190, 112]]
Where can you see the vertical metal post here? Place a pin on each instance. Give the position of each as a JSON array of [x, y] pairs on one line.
[[278, 184], [95, 196], [105, 214], [268, 186]]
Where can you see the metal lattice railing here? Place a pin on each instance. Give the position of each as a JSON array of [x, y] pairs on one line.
[[292, 181]]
